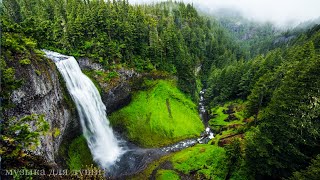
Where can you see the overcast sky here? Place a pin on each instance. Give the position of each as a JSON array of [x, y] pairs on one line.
[[277, 11]]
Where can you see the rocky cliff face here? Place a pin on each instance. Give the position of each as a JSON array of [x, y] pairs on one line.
[[115, 94], [43, 92]]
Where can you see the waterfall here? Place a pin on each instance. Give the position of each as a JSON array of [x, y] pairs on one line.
[[101, 140], [207, 134]]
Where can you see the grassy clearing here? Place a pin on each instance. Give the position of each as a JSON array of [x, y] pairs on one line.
[[79, 154], [167, 174], [231, 113], [159, 116], [206, 160], [228, 120], [220, 118]]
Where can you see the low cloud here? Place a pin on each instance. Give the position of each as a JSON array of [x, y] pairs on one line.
[[280, 12]]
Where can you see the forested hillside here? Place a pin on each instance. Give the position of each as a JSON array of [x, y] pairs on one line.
[[255, 37], [169, 37], [281, 91], [260, 85]]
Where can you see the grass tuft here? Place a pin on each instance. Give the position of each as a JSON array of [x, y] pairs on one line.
[[167, 174], [79, 154]]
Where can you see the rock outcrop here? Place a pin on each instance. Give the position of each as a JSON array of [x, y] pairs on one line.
[[115, 94], [43, 92]]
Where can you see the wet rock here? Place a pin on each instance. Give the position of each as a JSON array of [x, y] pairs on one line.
[[117, 94], [43, 93], [86, 63], [117, 97]]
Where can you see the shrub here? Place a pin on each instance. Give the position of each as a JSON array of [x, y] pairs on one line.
[[19, 137], [25, 62]]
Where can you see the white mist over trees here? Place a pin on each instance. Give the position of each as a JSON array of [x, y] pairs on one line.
[[281, 13]]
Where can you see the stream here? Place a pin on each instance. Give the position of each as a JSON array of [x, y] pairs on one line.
[[137, 159], [207, 135], [117, 156]]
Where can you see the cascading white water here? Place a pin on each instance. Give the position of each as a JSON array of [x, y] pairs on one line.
[[208, 134], [102, 142]]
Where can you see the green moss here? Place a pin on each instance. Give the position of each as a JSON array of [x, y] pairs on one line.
[[38, 72], [206, 160], [98, 76], [225, 126], [110, 75], [79, 154], [220, 118], [39, 52], [9, 82], [224, 134], [18, 138], [56, 132], [66, 96], [159, 116], [25, 62], [90, 75], [167, 174]]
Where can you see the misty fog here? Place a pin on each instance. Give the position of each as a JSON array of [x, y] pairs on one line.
[[279, 12]]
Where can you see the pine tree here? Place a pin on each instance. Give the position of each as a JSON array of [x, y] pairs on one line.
[[288, 135]]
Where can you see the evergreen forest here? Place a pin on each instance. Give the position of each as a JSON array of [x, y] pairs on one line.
[[260, 85]]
